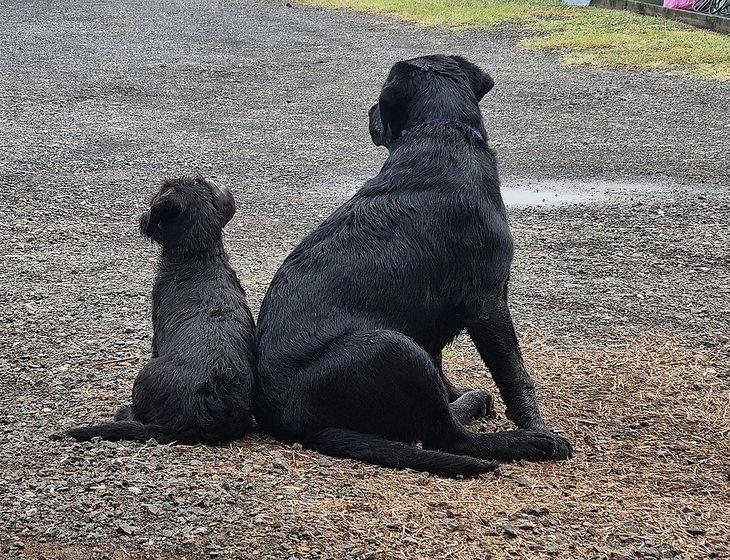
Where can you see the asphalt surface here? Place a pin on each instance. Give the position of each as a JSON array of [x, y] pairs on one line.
[[99, 101]]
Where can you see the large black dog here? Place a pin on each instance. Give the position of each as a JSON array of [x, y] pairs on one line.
[[351, 330], [197, 388]]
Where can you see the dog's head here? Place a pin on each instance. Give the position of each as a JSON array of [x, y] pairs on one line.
[[434, 86], [189, 209]]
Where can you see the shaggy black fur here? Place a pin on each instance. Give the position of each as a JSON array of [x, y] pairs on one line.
[[197, 388], [351, 330]]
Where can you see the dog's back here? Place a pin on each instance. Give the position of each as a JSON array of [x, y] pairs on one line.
[[197, 387]]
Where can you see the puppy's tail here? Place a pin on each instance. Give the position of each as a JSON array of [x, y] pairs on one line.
[[369, 448], [119, 430]]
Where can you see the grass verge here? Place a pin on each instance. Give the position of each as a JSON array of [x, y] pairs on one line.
[[586, 36]]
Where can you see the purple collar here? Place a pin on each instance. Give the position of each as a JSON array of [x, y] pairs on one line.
[[463, 125]]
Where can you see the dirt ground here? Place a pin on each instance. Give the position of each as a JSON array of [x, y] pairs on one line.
[[622, 304]]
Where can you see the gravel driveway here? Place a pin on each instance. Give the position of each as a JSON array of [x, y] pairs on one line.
[[622, 300]]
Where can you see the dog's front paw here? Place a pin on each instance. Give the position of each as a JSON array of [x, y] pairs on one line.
[[534, 446], [563, 450]]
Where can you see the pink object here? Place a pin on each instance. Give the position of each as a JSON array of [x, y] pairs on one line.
[[678, 4]]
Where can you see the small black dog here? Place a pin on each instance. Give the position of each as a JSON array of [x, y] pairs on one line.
[[197, 388], [352, 327]]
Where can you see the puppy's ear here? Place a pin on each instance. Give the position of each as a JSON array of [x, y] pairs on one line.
[[479, 80], [225, 203], [165, 206], [375, 124]]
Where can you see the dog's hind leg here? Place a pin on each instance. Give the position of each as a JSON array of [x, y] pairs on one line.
[[339, 442], [383, 383], [503, 446], [372, 394], [377, 381]]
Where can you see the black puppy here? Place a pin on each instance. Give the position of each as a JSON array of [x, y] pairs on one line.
[[351, 330], [197, 388]]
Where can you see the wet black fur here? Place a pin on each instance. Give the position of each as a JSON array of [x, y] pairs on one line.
[[197, 387], [351, 330]]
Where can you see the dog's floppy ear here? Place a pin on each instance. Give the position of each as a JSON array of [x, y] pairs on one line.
[[392, 102], [375, 125], [479, 80], [225, 203], [165, 205]]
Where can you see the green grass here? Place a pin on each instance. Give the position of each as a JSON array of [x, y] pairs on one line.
[[586, 36]]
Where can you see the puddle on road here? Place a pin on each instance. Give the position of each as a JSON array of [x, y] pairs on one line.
[[530, 193], [514, 197], [520, 192]]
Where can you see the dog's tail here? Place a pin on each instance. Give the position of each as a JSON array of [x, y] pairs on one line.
[[369, 448], [120, 430]]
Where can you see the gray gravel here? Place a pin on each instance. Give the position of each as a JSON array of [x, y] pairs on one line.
[[99, 101]]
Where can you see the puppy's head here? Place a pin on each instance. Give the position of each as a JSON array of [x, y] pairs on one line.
[[188, 209], [426, 87]]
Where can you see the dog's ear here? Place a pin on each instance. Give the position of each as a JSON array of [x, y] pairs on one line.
[[392, 103], [165, 206], [375, 125], [225, 203], [479, 80]]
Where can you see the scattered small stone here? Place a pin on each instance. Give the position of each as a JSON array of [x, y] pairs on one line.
[[510, 530], [651, 552], [537, 511], [126, 529]]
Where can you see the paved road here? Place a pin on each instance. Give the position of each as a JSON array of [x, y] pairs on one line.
[[100, 100]]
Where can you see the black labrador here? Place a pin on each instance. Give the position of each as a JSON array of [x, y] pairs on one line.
[[197, 388], [352, 327]]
